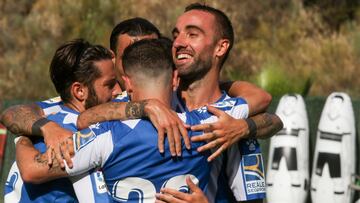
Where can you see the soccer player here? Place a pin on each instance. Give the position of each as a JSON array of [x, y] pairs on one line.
[[84, 76], [203, 37], [132, 167], [126, 33]]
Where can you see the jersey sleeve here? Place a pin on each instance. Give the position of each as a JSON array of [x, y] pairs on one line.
[[93, 183], [50, 106], [244, 163], [92, 148], [240, 109]]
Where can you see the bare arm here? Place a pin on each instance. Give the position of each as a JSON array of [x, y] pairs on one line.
[[19, 119], [257, 98], [267, 125], [164, 119], [22, 119], [228, 130], [33, 165]]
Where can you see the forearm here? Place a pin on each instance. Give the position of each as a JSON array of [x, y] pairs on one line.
[[112, 111], [19, 119], [33, 165], [257, 98], [267, 125]]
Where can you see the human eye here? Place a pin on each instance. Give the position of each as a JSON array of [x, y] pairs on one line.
[[192, 34], [111, 84]]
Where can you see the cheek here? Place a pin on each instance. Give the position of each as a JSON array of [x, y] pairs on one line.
[[103, 93]]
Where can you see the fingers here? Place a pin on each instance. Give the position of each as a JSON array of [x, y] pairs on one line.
[[192, 186], [177, 140], [159, 201], [66, 153], [204, 137], [177, 194], [49, 155], [167, 198], [203, 127], [215, 111], [170, 137], [70, 144], [59, 157], [210, 145], [161, 138], [185, 136], [216, 153]]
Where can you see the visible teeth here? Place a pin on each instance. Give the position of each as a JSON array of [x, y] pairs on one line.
[[183, 56]]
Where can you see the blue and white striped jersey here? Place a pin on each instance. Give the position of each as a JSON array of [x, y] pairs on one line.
[[133, 168], [241, 167], [91, 181]]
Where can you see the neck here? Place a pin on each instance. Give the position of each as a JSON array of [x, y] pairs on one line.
[[163, 95], [201, 91], [75, 105]]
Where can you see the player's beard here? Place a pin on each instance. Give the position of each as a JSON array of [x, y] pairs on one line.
[[197, 70], [92, 99]]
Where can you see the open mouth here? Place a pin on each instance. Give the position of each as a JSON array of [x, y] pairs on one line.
[[183, 57]]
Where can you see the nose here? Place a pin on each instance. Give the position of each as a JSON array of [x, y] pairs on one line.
[[116, 90], [179, 41]]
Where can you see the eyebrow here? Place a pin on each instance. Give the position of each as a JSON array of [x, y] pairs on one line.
[[191, 27], [188, 27]]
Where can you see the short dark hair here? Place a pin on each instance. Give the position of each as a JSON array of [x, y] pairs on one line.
[[74, 61], [224, 26], [133, 27], [150, 57]]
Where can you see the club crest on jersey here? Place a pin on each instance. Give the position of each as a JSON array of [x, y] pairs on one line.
[[254, 173], [251, 143], [83, 137]]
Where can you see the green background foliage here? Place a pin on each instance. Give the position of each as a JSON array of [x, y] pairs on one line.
[[309, 47]]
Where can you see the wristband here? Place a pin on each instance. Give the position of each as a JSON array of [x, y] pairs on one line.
[[252, 127], [35, 129]]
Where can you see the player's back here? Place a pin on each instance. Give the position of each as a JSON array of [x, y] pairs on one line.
[[136, 170]]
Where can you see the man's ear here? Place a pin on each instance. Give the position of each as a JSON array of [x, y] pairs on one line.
[[175, 80], [128, 83], [113, 56], [222, 47], [79, 91]]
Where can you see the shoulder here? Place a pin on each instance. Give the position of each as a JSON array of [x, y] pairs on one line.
[[65, 118], [50, 106], [237, 107]]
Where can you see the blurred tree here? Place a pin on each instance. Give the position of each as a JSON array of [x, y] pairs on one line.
[[335, 12], [313, 46]]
